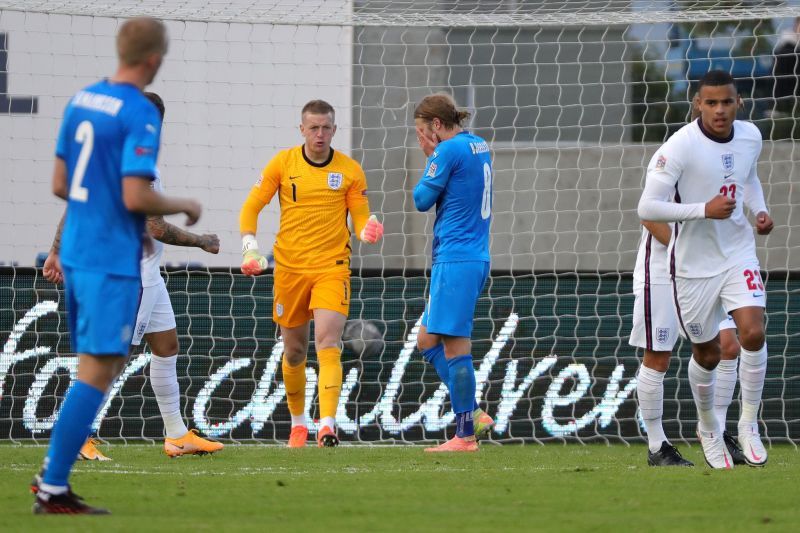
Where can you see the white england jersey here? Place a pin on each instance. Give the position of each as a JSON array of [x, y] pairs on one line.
[[700, 167], [151, 265], [652, 264]]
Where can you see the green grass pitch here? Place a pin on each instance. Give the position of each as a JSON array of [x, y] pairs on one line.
[[359, 488]]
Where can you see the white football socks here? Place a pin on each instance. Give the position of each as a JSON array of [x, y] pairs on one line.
[[650, 392], [299, 420], [723, 391], [702, 383], [752, 372], [164, 380], [327, 421]]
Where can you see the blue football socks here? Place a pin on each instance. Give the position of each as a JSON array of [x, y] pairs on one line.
[[435, 356], [70, 431], [462, 393]]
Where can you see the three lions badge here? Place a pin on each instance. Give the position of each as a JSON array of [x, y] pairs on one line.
[[335, 180]]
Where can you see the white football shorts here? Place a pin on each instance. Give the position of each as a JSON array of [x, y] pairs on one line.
[[703, 303], [155, 312], [655, 324], [728, 323]]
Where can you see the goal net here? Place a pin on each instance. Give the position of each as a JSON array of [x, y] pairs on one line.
[[573, 98]]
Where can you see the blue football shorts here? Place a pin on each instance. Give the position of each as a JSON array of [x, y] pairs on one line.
[[453, 295], [101, 311]]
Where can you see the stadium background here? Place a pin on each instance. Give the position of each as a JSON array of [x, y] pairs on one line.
[[572, 113]]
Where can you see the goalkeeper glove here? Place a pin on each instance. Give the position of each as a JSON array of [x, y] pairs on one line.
[[253, 263], [373, 231]]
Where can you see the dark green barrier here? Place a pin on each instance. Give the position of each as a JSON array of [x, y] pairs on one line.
[[561, 368]]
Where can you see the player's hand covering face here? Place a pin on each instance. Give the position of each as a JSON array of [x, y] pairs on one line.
[[318, 131], [426, 137]]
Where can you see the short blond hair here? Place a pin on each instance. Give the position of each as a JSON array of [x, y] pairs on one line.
[[139, 38], [318, 107]]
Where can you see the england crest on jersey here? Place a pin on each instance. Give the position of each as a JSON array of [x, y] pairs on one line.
[[335, 180], [727, 162]]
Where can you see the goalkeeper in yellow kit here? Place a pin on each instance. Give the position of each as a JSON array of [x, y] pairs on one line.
[[317, 187]]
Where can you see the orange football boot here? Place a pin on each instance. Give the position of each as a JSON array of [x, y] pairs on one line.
[[191, 444], [483, 423], [298, 437], [456, 444], [89, 451], [326, 438]]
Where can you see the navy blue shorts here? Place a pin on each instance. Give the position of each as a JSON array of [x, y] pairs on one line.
[[454, 291], [101, 311]]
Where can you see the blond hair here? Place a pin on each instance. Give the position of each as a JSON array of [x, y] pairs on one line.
[[443, 107], [139, 38]]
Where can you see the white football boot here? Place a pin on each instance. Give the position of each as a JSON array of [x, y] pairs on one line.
[[754, 452], [714, 450]]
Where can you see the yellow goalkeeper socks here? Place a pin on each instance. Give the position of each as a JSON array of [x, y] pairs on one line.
[[330, 381], [294, 379]]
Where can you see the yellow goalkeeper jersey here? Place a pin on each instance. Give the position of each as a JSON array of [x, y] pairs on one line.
[[315, 199]]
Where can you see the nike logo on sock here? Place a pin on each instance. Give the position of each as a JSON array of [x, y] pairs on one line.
[[331, 387]]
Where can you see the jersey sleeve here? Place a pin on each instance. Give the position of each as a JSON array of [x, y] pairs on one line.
[[356, 199], [261, 194], [663, 172], [62, 144], [142, 140], [666, 165], [434, 179], [754, 192], [270, 178]]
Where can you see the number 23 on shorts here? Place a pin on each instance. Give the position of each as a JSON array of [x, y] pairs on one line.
[[753, 279]]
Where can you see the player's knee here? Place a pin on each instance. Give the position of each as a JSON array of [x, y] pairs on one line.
[[455, 346], [426, 342], [658, 361], [730, 348], [752, 337], [166, 348], [707, 354], [294, 356]]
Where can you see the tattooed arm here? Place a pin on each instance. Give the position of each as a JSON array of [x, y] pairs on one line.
[[52, 265], [167, 233]]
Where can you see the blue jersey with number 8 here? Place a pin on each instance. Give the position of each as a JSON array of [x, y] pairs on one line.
[[458, 178], [109, 131]]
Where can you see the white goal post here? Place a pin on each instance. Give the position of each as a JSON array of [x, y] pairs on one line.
[[572, 96]]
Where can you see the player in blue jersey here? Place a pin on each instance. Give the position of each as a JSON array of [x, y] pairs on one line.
[[155, 324], [458, 180], [105, 160]]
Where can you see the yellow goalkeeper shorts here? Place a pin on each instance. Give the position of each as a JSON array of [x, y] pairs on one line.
[[296, 295]]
